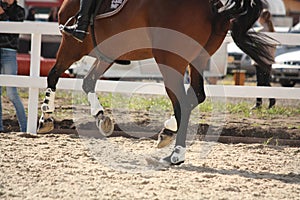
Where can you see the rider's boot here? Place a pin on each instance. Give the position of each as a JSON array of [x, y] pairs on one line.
[[80, 29]]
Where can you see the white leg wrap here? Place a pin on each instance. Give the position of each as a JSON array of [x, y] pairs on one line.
[[48, 104], [171, 124], [94, 102]]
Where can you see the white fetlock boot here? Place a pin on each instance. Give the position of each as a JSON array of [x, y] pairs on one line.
[[96, 107], [46, 123], [48, 104], [176, 158]]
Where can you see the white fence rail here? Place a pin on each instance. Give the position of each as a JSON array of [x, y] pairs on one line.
[[34, 82]]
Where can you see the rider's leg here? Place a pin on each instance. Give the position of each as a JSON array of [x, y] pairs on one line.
[[79, 30]]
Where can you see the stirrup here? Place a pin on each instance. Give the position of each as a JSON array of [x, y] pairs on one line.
[[79, 35]]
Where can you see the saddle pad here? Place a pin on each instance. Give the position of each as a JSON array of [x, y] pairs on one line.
[[110, 8]]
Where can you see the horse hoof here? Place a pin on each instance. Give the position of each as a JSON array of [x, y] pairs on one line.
[[165, 138], [166, 162], [176, 158], [105, 125], [46, 126]]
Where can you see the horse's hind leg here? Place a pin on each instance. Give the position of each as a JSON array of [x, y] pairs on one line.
[[176, 92], [64, 60], [104, 123], [46, 122], [183, 101], [195, 92], [173, 76]]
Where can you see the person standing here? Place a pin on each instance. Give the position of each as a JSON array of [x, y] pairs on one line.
[[31, 14], [53, 15], [263, 73], [11, 11]]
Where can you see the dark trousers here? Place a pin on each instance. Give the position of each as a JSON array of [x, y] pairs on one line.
[[263, 76]]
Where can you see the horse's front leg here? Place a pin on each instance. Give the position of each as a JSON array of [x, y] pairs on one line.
[[183, 103], [104, 123], [182, 111], [177, 125]]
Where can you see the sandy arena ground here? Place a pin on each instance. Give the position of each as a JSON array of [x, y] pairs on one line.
[[64, 166], [68, 166]]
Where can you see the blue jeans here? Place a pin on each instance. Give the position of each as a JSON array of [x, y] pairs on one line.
[[8, 65]]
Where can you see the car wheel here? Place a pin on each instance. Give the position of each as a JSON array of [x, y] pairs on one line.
[[287, 83]]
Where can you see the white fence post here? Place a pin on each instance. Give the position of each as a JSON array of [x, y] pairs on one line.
[[36, 41]]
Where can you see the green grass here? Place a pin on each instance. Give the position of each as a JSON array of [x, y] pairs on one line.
[[243, 109], [283, 111], [163, 104], [135, 102]]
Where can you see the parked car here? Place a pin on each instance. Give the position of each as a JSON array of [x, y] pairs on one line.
[[237, 59], [286, 69], [148, 69], [295, 29], [50, 45]]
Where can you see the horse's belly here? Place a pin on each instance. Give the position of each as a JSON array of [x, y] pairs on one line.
[[140, 54]]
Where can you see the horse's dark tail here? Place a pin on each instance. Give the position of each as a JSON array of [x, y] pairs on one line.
[[244, 14]]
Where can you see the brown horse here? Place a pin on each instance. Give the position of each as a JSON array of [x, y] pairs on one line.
[[176, 34]]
